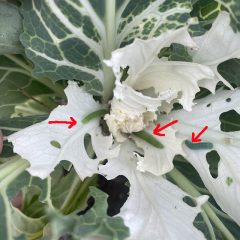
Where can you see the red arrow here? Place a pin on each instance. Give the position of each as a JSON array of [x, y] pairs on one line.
[[71, 123], [197, 138], [158, 128]]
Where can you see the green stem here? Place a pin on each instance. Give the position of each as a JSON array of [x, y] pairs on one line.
[[8, 215], [187, 186], [81, 196], [202, 190], [15, 69], [77, 194], [209, 225], [74, 188], [218, 223], [48, 197], [218, 212], [110, 25], [19, 62]]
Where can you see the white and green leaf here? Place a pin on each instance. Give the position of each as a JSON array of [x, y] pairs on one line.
[[149, 19], [223, 133], [154, 203], [71, 38], [45, 145], [64, 41]]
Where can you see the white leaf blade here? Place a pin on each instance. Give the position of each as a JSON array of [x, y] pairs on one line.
[[217, 45], [154, 204], [227, 144], [36, 143]]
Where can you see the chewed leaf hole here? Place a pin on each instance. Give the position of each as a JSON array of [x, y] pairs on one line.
[[88, 146], [117, 190], [190, 201], [213, 159], [229, 181], [176, 52], [200, 224], [208, 105], [230, 121], [125, 74], [103, 162], [228, 100], [55, 144]]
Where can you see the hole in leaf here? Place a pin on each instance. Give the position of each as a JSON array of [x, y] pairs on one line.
[[104, 127], [90, 203], [125, 74], [213, 159], [88, 146], [230, 71], [135, 153], [208, 105], [176, 52], [190, 201], [200, 224], [55, 144], [230, 121], [117, 190], [202, 93], [103, 162], [165, 52], [228, 100], [66, 165], [229, 181]]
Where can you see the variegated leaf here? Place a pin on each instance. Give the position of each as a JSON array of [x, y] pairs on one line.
[[233, 7], [150, 18], [68, 39], [63, 39]]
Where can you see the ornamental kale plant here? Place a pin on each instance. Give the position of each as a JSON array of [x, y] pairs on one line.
[[120, 119]]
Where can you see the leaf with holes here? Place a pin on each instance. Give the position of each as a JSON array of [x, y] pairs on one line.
[[222, 180], [157, 204], [149, 19], [217, 45], [45, 145]]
